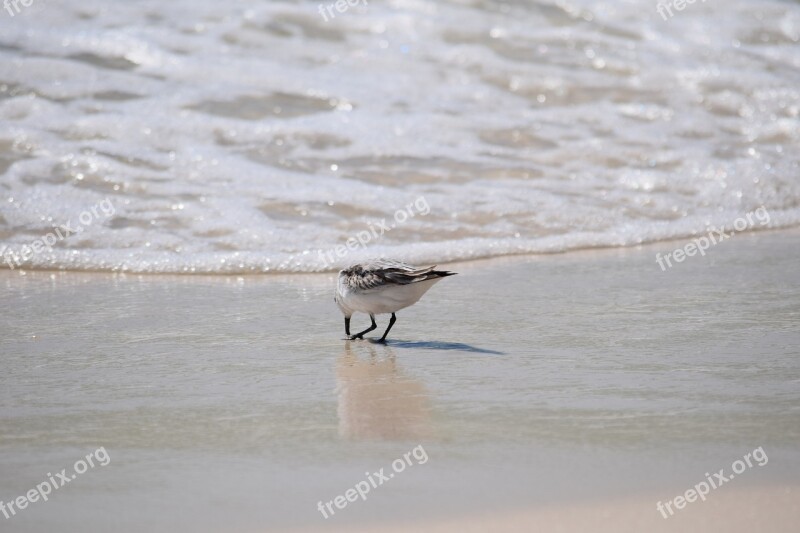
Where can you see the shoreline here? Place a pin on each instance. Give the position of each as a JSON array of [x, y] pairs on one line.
[[516, 256]]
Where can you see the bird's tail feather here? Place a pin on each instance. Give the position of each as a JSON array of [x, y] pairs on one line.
[[404, 277]]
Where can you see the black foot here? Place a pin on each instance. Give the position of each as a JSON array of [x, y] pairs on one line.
[[377, 341], [356, 337]]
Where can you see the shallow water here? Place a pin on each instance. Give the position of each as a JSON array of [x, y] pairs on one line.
[[239, 136], [232, 404]]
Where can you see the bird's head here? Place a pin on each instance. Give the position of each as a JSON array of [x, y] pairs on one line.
[[339, 298]]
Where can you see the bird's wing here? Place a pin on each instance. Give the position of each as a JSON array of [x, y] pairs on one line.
[[382, 273], [404, 277], [387, 264], [366, 280]]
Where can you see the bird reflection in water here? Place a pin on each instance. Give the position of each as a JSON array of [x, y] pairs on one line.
[[377, 401]]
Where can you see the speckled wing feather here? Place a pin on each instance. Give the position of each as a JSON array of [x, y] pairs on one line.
[[362, 280], [382, 273]]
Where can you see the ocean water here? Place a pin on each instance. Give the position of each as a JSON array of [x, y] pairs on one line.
[[239, 136]]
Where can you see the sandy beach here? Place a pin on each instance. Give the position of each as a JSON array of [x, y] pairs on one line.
[[562, 392], [773, 509]]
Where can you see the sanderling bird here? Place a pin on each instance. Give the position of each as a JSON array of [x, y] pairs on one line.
[[382, 286]]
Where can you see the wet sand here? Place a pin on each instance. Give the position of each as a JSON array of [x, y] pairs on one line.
[[773, 509], [562, 392]]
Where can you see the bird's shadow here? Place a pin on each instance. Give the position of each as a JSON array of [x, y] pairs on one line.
[[439, 345]]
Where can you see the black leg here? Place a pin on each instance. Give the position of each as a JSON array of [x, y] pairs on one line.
[[347, 326], [373, 326], [391, 323]]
